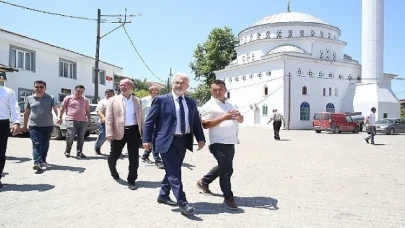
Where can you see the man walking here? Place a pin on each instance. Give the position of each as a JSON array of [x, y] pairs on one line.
[[370, 121], [172, 121], [101, 107], [38, 110], [277, 118], [124, 122], [146, 104], [222, 120], [8, 106], [77, 108]]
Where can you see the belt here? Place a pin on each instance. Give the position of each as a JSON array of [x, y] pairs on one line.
[[130, 127], [180, 135]]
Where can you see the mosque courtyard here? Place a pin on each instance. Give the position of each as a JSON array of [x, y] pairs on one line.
[[305, 180]]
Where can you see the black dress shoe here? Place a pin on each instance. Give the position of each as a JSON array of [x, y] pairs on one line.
[[187, 209], [159, 165], [115, 175], [166, 200], [132, 186]]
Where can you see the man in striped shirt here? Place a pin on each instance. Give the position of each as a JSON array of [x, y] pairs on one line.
[[277, 118]]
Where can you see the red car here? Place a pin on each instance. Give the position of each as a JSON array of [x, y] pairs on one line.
[[334, 122]]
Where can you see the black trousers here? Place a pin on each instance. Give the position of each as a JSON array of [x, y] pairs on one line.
[[4, 133], [224, 154], [131, 139], [276, 129]]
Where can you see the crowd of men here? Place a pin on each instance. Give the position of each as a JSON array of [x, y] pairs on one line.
[[166, 125]]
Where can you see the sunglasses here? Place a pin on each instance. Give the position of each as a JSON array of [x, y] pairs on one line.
[[39, 87]]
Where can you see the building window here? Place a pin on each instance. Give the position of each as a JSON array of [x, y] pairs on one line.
[[358, 78], [290, 33], [330, 107], [24, 93], [330, 75], [330, 91], [310, 73], [265, 109], [334, 56], [259, 35], [350, 77], [312, 33], [247, 57], [267, 34], [253, 57], [279, 33], [259, 74], [304, 90], [101, 77], [340, 76], [244, 77], [67, 69], [327, 53], [251, 37], [266, 90], [268, 73], [329, 35], [243, 59], [21, 58], [336, 92], [321, 54], [228, 95], [324, 91], [236, 79], [321, 32], [302, 34], [244, 39], [304, 111], [230, 80], [299, 72], [385, 115], [320, 74]]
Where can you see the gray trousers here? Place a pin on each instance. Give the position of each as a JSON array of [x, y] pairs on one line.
[[75, 128]]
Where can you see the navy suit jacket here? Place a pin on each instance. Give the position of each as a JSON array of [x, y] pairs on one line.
[[161, 123]]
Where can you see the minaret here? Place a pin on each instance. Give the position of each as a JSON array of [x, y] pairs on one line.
[[288, 7], [375, 89]]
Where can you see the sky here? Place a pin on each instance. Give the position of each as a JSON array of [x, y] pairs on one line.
[[168, 31]]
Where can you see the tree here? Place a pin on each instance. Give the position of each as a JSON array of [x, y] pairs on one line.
[[141, 93], [212, 55], [403, 113]]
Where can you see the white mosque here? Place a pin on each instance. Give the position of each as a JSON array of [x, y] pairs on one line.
[[296, 63]]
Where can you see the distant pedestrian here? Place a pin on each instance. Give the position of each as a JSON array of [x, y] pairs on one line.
[[38, 120], [370, 121], [8, 107], [77, 115], [222, 120], [146, 104], [277, 119], [101, 107]]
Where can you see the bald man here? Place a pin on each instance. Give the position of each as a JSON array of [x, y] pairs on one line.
[[146, 104]]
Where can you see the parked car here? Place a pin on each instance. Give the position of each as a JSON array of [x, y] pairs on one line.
[[390, 126], [59, 130], [334, 122], [94, 116]]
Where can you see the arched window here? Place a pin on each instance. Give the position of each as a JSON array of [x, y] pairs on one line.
[[330, 107], [304, 90], [265, 109], [228, 95], [304, 111], [266, 90]]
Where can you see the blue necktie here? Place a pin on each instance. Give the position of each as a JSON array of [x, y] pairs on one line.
[[182, 117]]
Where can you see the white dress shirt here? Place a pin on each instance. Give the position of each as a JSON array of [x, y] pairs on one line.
[[129, 111], [227, 131], [146, 104], [186, 113], [9, 105]]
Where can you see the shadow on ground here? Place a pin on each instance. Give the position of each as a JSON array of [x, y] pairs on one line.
[[26, 187]]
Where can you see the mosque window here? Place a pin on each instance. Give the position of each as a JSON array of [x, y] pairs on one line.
[[329, 35], [244, 78], [358, 78], [259, 74], [321, 32], [259, 35], [230, 80], [266, 90], [290, 33], [336, 92], [302, 34], [324, 91], [279, 33], [265, 109], [253, 57], [340, 76], [251, 37], [247, 57], [320, 74], [330, 75], [304, 90], [244, 39], [321, 54], [268, 73], [330, 91], [310, 73], [305, 111], [243, 59], [327, 54], [330, 108], [251, 76], [334, 56], [299, 72], [312, 33], [267, 34], [350, 77], [236, 78]]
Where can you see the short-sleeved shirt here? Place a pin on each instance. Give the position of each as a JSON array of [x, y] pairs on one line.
[[371, 119], [101, 107], [41, 110], [75, 108], [227, 131]]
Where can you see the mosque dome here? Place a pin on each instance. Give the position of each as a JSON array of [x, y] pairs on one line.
[[289, 17]]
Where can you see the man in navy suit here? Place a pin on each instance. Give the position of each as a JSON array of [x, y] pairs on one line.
[[173, 119]]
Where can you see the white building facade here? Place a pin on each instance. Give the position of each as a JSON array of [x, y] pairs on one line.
[[293, 62], [60, 68]]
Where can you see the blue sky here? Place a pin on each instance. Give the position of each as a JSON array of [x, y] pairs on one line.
[[168, 31]]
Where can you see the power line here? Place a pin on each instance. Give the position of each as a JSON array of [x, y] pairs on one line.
[[136, 50], [47, 12]]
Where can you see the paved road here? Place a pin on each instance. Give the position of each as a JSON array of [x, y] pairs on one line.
[[315, 180]]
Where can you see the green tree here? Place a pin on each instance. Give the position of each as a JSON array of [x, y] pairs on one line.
[[403, 113], [212, 55], [141, 93]]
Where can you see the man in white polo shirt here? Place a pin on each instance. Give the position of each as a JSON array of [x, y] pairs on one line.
[[222, 120], [370, 121]]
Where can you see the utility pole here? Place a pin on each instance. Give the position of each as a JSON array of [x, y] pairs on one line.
[[99, 36], [289, 101], [169, 78]]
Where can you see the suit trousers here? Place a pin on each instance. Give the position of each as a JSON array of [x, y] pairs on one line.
[[4, 133], [224, 154], [172, 160], [131, 139]]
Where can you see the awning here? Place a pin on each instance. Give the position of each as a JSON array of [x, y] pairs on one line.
[[4, 68]]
